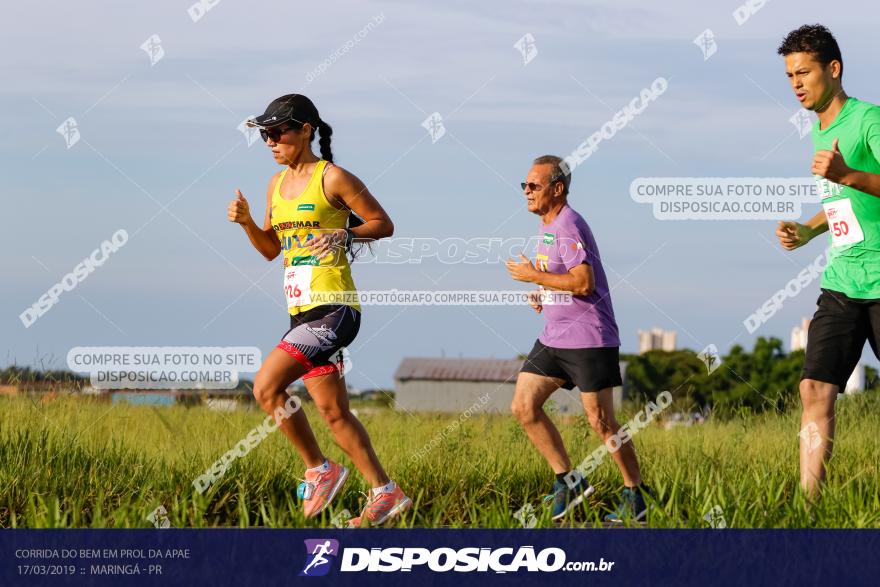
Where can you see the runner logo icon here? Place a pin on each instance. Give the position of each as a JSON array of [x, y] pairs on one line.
[[320, 555]]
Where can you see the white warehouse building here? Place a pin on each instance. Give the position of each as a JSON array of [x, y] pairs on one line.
[[457, 385]]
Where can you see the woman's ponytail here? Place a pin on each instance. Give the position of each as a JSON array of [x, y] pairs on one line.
[[324, 142]]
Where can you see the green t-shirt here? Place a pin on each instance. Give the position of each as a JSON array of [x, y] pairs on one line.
[[853, 267]]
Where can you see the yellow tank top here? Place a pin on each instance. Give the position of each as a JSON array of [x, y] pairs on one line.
[[310, 282]]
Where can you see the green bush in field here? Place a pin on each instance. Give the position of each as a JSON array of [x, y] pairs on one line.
[[73, 462]]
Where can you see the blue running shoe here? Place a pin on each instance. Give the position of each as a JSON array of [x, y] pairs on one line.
[[632, 506], [566, 498]]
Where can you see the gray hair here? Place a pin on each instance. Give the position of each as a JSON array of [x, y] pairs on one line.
[[559, 171]]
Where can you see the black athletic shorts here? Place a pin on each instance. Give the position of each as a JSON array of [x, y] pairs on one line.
[[317, 336], [591, 369], [837, 335]]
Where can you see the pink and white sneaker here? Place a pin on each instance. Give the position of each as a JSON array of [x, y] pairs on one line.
[[381, 508], [319, 489]]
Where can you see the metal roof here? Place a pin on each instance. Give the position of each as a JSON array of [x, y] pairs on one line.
[[499, 370], [459, 369]]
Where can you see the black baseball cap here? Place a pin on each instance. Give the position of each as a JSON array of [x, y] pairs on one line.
[[288, 108]]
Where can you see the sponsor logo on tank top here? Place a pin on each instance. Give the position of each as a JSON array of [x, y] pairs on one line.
[[288, 242], [297, 261], [297, 223], [549, 237], [309, 207]]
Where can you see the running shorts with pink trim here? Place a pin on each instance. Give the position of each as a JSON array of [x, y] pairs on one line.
[[317, 336]]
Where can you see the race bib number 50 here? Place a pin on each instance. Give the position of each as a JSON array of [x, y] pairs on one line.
[[298, 285], [842, 223]]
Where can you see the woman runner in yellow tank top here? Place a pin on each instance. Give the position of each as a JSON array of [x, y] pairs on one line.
[[314, 211]]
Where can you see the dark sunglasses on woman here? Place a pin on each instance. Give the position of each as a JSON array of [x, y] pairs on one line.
[[276, 133]]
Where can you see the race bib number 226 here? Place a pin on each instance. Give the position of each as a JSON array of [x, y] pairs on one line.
[[298, 285]]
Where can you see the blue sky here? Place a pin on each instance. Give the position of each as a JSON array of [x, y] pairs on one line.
[[154, 135]]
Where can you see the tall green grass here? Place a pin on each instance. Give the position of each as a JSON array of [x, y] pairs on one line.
[[77, 463]]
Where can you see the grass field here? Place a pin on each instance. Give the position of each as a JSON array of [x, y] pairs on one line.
[[77, 463]]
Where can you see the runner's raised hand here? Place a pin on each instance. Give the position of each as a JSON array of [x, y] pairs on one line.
[[830, 164], [239, 210]]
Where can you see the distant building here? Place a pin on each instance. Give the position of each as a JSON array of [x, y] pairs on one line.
[[478, 385], [152, 397], [374, 395], [215, 399], [799, 335], [856, 381], [656, 339]]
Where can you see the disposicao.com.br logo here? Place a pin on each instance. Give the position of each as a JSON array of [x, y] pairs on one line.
[[321, 553]]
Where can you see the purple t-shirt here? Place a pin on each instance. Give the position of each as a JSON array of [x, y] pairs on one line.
[[588, 322]]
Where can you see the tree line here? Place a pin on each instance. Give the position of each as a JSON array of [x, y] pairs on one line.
[[765, 379]]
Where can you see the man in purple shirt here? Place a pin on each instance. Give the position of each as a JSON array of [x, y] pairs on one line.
[[579, 345]]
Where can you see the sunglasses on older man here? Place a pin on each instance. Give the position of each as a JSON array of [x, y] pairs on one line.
[[534, 187]]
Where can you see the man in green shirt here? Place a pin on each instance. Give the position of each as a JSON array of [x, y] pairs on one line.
[[846, 166]]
